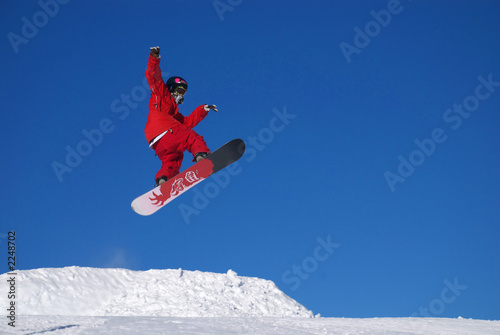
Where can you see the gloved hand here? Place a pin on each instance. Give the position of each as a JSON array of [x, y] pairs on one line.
[[155, 52], [209, 107]]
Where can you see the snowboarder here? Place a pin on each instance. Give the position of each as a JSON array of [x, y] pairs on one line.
[[168, 132]]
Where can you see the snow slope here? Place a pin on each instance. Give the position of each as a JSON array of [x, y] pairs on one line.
[[91, 301], [161, 325], [120, 292]]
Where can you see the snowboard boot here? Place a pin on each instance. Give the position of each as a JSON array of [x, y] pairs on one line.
[[161, 180], [200, 155]]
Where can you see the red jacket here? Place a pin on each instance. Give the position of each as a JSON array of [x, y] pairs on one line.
[[163, 110]]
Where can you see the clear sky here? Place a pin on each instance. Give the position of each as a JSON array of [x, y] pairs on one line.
[[371, 184]]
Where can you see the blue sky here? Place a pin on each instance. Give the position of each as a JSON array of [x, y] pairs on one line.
[[371, 184]]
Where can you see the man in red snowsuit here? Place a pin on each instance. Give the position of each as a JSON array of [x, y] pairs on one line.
[[169, 133]]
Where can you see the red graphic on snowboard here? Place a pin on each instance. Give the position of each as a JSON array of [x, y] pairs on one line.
[[183, 182]]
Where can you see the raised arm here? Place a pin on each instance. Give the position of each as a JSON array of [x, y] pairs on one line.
[[153, 72]]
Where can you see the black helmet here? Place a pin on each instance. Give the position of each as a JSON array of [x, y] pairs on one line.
[[175, 83]]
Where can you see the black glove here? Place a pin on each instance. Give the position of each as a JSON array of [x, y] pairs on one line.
[[155, 52], [209, 107]]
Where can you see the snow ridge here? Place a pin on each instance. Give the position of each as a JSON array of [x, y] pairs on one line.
[[80, 291]]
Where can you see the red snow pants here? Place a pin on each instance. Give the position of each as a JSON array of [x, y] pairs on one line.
[[170, 149]]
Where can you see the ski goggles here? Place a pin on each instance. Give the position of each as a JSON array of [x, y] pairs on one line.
[[180, 90]]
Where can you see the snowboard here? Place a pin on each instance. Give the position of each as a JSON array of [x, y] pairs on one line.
[[152, 201]]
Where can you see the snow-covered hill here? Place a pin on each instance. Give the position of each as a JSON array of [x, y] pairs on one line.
[[93, 301], [120, 292]]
